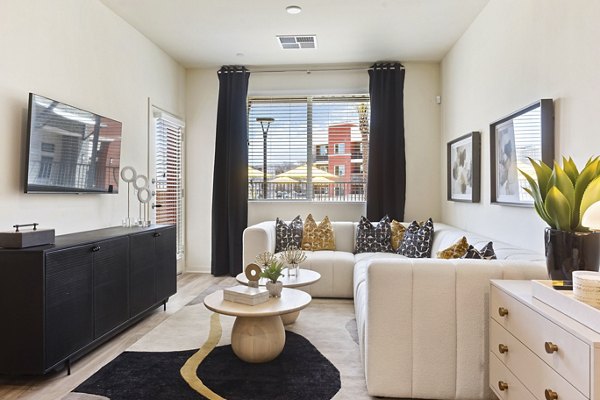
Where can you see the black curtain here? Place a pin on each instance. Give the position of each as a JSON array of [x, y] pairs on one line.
[[386, 175], [230, 177]]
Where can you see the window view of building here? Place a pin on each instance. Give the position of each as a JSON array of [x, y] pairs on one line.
[[308, 148]]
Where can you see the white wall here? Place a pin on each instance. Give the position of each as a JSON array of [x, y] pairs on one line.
[[422, 125], [81, 53], [514, 53], [201, 124]]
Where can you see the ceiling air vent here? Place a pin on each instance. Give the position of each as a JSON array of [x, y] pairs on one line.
[[297, 41]]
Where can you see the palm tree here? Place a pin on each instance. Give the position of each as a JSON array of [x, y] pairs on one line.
[[363, 121]]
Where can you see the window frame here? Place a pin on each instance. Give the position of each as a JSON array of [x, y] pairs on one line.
[[316, 153]]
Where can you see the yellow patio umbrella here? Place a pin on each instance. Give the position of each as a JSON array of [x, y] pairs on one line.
[[321, 179], [255, 173], [283, 179], [301, 173]]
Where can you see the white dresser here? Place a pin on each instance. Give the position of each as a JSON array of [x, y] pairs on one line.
[[537, 352]]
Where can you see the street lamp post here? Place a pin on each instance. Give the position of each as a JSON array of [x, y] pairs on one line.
[[265, 123]]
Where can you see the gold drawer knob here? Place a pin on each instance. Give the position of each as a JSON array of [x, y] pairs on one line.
[[550, 347], [502, 348], [551, 395], [502, 386], [503, 312]]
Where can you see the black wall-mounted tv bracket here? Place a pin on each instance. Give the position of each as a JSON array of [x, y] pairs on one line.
[[35, 224]]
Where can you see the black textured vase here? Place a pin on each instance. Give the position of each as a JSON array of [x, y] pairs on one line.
[[571, 251]]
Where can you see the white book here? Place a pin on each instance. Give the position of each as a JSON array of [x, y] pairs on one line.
[[246, 295]]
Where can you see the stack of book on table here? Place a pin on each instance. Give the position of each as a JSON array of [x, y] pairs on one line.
[[246, 295]]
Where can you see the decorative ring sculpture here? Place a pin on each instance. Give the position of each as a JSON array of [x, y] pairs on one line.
[[144, 195], [126, 171], [139, 186], [252, 272]]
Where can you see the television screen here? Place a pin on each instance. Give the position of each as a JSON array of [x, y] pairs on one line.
[[70, 150]]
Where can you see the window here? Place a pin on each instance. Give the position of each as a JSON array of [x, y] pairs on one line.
[[168, 159], [305, 145], [45, 167], [339, 148], [48, 147]]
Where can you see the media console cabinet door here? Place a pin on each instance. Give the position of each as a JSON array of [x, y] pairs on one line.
[[69, 319], [152, 268], [166, 263], [111, 270]]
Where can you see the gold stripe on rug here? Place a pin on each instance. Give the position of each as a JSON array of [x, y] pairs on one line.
[[188, 371]]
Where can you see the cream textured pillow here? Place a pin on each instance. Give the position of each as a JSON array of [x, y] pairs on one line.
[[318, 237], [457, 250], [397, 234]]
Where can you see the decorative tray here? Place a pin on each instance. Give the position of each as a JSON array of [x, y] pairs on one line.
[[565, 302]]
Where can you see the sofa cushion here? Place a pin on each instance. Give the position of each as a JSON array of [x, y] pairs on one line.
[[373, 239], [317, 237], [288, 235], [417, 240], [336, 269], [369, 256], [486, 253], [446, 235], [457, 250]]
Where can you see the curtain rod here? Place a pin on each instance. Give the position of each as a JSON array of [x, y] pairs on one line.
[[310, 70]]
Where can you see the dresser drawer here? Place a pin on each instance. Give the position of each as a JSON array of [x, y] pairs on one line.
[[499, 376], [571, 360], [535, 374]]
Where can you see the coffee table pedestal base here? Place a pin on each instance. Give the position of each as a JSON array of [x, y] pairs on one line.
[[257, 339], [290, 318]]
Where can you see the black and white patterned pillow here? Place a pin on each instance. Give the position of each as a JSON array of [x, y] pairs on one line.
[[373, 239], [288, 235], [486, 253], [417, 240]]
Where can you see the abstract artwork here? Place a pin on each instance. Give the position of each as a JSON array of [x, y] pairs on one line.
[[463, 167]]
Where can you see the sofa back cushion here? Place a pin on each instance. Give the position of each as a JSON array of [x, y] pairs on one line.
[[446, 235], [344, 235]]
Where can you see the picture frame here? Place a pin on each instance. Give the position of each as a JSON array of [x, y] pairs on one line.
[[463, 163], [526, 133]]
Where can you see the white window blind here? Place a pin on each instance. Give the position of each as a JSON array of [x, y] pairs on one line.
[[311, 150], [169, 174]]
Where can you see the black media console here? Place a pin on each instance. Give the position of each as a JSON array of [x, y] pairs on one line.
[[57, 302]]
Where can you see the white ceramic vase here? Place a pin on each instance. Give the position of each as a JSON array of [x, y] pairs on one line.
[[274, 288]]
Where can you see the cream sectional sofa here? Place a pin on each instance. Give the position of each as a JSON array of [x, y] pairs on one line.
[[422, 323]]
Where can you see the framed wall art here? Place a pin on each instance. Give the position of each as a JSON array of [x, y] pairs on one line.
[[527, 133], [463, 166]]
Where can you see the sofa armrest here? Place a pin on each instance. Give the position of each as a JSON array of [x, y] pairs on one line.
[[426, 325], [258, 239]]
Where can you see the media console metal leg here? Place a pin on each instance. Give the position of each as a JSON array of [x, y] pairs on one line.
[[165, 305], [68, 366]]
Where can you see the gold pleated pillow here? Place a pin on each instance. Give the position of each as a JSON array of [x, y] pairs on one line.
[[457, 250], [397, 234], [317, 237]]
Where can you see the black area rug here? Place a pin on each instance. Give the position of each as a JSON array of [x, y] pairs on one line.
[[299, 372]]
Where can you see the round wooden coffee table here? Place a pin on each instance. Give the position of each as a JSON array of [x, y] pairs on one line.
[[305, 277], [258, 335]]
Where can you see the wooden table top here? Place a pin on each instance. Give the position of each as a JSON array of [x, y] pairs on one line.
[[291, 300]]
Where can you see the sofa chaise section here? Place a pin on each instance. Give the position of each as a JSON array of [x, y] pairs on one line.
[[423, 324]]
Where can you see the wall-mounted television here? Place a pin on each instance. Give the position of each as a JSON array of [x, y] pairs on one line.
[[70, 150]]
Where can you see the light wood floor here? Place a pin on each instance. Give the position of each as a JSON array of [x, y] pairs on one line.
[[56, 385]]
